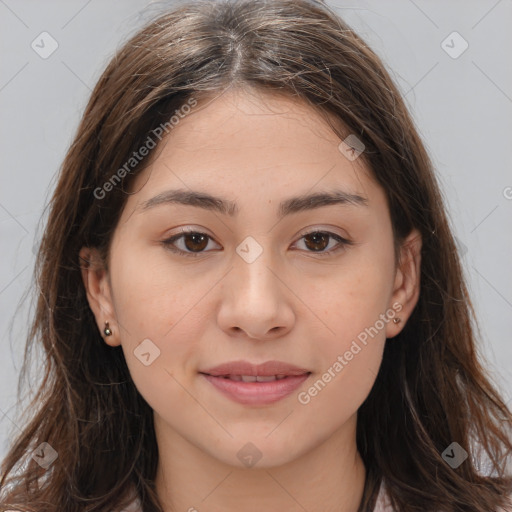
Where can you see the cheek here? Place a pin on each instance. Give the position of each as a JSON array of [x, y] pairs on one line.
[[155, 302], [356, 311], [351, 354], [336, 395], [356, 299], [151, 293]]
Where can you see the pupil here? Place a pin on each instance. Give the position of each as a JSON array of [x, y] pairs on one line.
[[197, 238], [317, 238]]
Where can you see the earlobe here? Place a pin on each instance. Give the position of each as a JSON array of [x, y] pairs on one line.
[[97, 286], [406, 289]]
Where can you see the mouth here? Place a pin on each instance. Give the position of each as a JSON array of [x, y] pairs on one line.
[[238, 370], [252, 378], [251, 384]]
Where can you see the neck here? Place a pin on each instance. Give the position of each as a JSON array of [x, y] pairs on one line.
[[328, 478]]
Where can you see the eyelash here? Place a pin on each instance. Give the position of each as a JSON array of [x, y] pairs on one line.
[[168, 243]]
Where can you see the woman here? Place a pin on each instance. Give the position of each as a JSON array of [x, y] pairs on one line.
[[250, 296]]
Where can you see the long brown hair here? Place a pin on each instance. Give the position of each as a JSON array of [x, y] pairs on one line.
[[431, 389]]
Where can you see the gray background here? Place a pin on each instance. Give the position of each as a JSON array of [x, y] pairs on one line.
[[462, 107]]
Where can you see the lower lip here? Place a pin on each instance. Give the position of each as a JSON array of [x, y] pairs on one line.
[[257, 393]]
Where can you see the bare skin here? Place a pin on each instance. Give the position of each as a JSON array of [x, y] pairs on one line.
[[290, 304]]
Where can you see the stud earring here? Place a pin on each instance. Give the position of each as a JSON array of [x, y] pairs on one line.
[[107, 331], [397, 320]]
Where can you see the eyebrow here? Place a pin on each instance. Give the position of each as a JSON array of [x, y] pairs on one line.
[[227, 207]]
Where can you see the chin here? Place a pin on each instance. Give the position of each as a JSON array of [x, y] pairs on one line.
[[260, 452]]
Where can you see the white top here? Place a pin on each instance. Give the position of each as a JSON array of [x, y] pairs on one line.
[[382, 504]]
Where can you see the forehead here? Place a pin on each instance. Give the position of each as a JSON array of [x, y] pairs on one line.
[[257, 145], [277, 128]]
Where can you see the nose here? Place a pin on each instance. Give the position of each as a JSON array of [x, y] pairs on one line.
[[256, 301]]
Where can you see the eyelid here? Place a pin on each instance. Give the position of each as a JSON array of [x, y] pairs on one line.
[[319, 229]]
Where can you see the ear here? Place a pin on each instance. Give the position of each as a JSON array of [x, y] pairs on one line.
[[406, 289], [98, 289]]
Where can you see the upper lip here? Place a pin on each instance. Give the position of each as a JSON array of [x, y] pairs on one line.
[[266, 369]]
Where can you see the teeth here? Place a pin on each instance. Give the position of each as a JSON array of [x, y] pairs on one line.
[[266, 379], [253, 378]]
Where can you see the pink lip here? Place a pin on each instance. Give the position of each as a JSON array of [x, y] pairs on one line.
[[256, 393], [265, 369]]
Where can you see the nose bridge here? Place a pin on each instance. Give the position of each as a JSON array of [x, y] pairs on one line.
[[254, 269]]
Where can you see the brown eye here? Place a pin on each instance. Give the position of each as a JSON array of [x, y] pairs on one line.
[[317, 241], [193, 243]]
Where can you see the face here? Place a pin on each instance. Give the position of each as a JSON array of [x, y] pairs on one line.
[[262, 275]]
